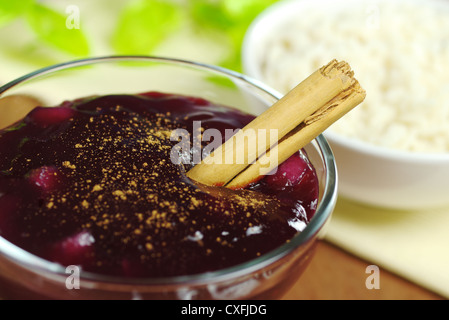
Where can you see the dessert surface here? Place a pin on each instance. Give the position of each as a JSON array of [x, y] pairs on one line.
[[90, 182]]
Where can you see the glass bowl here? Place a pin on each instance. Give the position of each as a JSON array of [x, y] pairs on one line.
[[26, 276]]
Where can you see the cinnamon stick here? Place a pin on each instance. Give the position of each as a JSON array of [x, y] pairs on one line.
[[300, 136], [297, 118]]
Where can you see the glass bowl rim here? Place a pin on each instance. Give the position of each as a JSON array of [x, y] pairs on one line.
[[323, 212]]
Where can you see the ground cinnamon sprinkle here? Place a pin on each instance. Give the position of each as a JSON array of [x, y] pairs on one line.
[[116, 186]]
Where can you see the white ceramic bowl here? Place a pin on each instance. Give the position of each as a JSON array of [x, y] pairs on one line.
[[370, 174]]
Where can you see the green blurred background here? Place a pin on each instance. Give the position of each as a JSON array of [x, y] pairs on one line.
[[35, 34]]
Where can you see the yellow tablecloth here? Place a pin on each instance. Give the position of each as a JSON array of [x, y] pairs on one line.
[[412, 244]]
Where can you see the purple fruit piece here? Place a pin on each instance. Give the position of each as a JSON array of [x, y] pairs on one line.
[[289, 173], [153, 94], [46, 178], [77, 249], [132, 268], [308, 188], [45, 117], [198, 101]]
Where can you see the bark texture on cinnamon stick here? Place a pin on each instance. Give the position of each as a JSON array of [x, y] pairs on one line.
[[296, 119]]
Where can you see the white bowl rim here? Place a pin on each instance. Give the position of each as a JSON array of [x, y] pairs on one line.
[[373, 150]]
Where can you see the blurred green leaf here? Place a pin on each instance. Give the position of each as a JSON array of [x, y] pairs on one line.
[[144, 24], [245, 10], [9, 10], [209, 14], [232, 18], [50, 27]]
